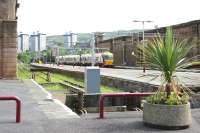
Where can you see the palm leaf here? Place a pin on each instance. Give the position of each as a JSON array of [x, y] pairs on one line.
[[166, 55]]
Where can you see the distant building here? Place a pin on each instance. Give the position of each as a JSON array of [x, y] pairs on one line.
[[38, 42], [42, 42], [83, 45], [23, 43], [70, 39], [34, 43]]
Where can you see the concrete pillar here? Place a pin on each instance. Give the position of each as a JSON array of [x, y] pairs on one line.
[[8, 9], [8, 49], [92, 80], [8, 38]]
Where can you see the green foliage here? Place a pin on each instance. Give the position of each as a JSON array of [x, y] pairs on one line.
[[167, 55], [47, 56], [173, 99], [23, 73], [106, 89], [26, 57], [54, 87]]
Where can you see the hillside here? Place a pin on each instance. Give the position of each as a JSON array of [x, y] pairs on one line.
[[86, 37]]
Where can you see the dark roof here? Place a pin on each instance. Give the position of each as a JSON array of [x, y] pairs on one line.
[[116, 38], [162, 29], [152, 31]]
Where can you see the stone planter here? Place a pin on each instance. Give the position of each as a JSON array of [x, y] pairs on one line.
[[167, 116]]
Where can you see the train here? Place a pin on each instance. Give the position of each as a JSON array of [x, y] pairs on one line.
[[104, 59]]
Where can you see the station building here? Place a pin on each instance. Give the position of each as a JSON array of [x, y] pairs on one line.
[[125, 48]]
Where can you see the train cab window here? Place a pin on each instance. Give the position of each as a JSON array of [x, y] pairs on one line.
[[107, 57]]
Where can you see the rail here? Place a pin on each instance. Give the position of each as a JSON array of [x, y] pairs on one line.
[[80, 92], [103, 96], [18, 105]]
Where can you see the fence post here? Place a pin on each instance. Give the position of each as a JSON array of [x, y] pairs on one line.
[[48, 76]]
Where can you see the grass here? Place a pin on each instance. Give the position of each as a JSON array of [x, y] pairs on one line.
[[106, 89], [54, 87], [24, 73]]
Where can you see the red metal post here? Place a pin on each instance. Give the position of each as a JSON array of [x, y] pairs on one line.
[[18, 105], [103, 96], [18, 110], [101, 106]]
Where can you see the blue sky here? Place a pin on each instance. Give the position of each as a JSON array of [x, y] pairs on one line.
[[60, 16]]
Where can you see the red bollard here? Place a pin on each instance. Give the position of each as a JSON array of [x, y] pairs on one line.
[[18, 105]]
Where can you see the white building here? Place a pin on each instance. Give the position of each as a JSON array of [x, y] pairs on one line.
[[70, 39], [38, 42], [42, 42], [34, 42], [23, 42]]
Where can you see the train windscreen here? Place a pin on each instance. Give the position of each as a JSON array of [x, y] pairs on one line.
[[107, 57]]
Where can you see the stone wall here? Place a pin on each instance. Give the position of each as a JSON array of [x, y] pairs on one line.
[[8, 38]]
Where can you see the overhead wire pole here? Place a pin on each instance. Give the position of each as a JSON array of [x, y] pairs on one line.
[[143, 42]]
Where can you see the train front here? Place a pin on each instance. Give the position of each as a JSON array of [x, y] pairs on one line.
[[107, 59]]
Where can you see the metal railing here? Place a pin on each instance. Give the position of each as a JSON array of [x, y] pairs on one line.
[[103, 96], [18, 105]]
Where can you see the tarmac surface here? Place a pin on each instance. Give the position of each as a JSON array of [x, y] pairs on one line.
[[188, 78], [41, 114]]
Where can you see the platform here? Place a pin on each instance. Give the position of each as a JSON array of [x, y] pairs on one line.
[[189, 77], [41, 114]]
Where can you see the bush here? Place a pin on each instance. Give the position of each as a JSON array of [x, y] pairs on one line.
[[173, 99]]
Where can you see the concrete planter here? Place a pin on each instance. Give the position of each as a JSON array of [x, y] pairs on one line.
[[167, 116]]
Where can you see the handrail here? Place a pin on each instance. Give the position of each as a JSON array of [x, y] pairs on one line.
[[18, 105], [103, 96]]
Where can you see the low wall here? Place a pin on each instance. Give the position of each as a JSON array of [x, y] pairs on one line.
[[92, 101], [128, 85]]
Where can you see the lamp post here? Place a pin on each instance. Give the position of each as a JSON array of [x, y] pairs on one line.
[[93, 49], [144, 65]]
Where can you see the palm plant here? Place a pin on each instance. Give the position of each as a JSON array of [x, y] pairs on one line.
[[167, 55]]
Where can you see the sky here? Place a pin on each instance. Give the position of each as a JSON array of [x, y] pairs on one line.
[[79, 16]]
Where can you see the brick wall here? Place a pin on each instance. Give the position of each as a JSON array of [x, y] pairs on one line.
[[122, 48]]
